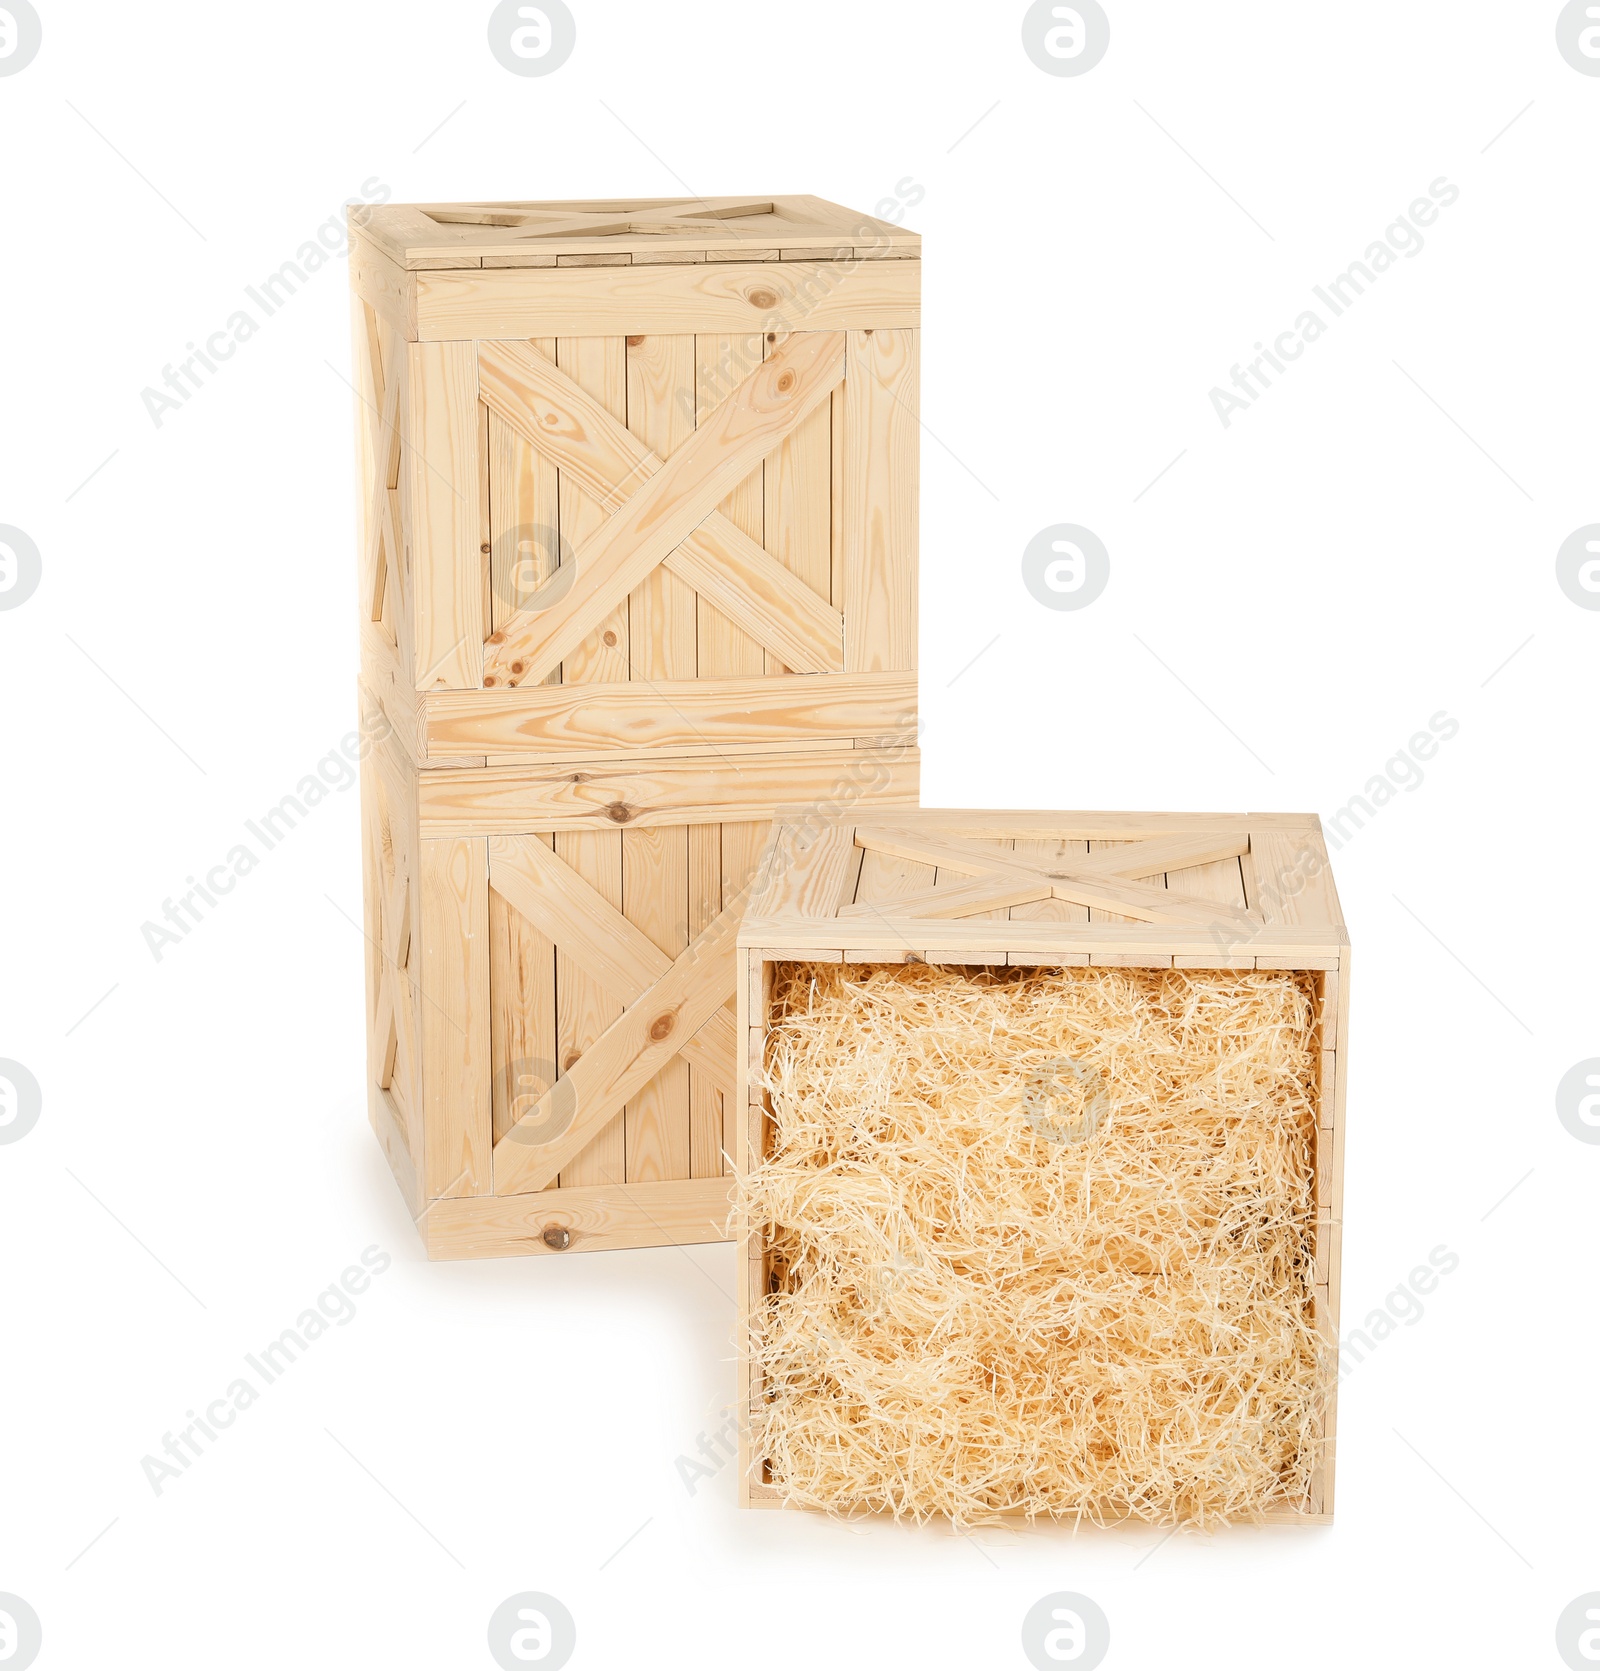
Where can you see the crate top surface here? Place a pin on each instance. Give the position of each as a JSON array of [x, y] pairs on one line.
[[625, 230], [891, 881]]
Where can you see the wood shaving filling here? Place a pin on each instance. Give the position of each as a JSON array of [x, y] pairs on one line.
[[1041, 1241]]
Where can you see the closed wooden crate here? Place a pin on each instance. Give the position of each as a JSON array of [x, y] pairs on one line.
[[638, 565], [1051, 890]]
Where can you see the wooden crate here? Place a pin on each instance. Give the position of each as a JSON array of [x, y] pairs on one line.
[[637, 566], [1156, 890], [664, 450]]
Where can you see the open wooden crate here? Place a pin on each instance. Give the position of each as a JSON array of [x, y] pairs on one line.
[[637, 566], [1078, 892]]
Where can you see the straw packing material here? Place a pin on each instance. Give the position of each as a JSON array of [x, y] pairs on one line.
[[1040, 1242]]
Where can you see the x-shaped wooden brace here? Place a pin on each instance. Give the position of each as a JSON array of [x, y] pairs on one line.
[[687, 215], [672, 518], [674, 1006], [1100, 880]]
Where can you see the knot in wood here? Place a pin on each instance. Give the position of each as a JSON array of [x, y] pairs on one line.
[[763, 299], [517, 666], [663, 1025], [608, 638], [557, 1237], [619, 812], [636, 342], [786, 383]]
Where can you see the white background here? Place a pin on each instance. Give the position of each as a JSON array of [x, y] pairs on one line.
[[1288, 603]]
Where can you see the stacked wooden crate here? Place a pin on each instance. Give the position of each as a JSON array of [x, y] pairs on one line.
[[638, 566]]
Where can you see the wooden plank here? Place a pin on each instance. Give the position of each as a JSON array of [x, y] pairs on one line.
[[1294, 883], [1091, 826], [722, 559], [522, 986], [384, 285], [655, 893], [589, 722], [732, 297], [524, 513], [721, 364], [618, 1064], [793, 937], [441, 414], [799, 506], [670, 504], [676, 1214], [598, 368], [807, 875], [977, 897], [880, 487], [706, 1098], [586, 1006], [454, 1012], [661, 608], [388, 1126], [507, 801]]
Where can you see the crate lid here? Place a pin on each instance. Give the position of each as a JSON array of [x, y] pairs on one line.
[[627, 230]]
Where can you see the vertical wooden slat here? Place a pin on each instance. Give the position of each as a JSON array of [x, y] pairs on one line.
[[441, 461], [880, 469], [584, 1009], [799, 512], [725, 649], [655, 880], [706, 1134], [522, 984], [599, 366], [662, 632], [454, 1016], [524, 514]]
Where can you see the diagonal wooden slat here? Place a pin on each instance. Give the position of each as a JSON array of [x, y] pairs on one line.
[[963, 899], [601, 941], [1161, 854], [1133, 899], [721, 562], [624, 1059]]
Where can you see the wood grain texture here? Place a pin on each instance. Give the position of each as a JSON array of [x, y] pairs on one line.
[[598, 368], [588, 722], [732, 297], [586, 1006], [621, 1061], [511, 801], [881, 444], [670, 504], [443, 505], [680, 1213], [455, 1016]]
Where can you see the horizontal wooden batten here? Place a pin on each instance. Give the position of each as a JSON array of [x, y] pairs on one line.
[[516, 800], [561, 722], [673, 1213], [456, 304], [791, 937]]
